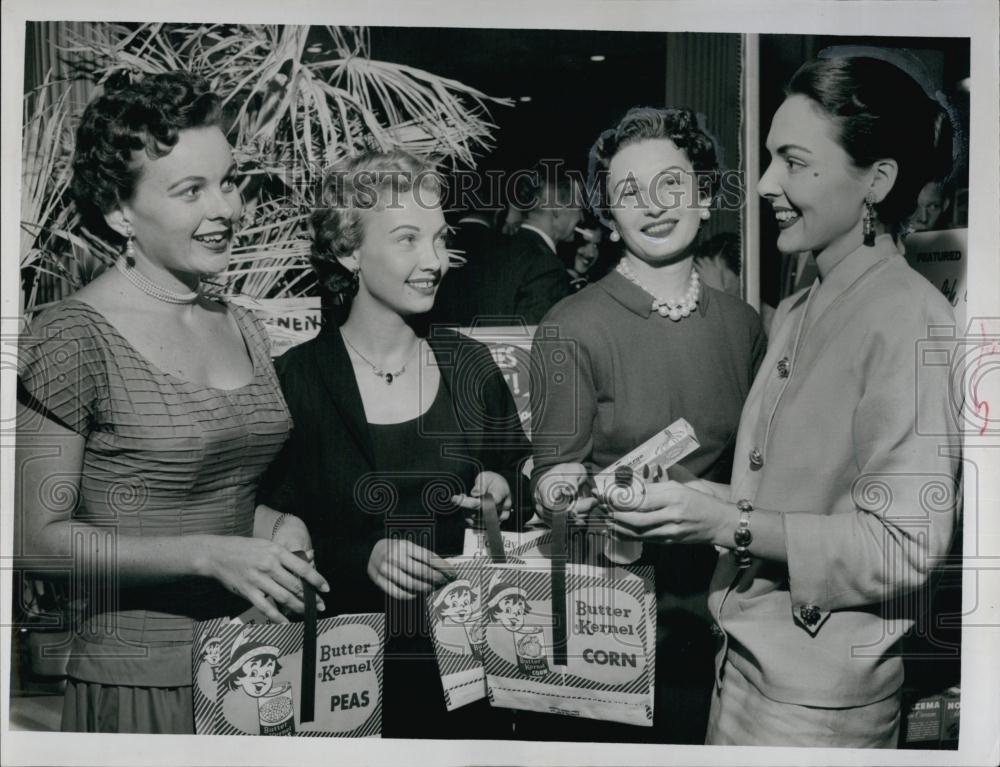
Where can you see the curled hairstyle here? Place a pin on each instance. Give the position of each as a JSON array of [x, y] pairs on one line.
[[367, 182], [878, 111], [147, 115], [644, 123]]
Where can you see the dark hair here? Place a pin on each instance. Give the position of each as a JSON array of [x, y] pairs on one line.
[[644, 123], [146, 115], [879, 111], [547, 184], [349, 187]]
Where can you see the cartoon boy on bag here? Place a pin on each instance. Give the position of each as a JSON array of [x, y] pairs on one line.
[[508, 605], [252, 666], [457, 603]]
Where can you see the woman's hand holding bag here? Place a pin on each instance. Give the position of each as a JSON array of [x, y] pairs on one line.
[[259, 571], [487, 482], [403, 569]]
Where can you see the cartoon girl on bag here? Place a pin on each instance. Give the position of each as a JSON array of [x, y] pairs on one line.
[[508, 604]]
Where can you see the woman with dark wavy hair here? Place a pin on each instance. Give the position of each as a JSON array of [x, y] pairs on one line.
[[398, 431], [843, 497], [626, 356], [147, 414]]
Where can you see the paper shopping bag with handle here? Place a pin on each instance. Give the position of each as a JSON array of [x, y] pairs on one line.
[[455, 616], [576, 640], [316, 678]]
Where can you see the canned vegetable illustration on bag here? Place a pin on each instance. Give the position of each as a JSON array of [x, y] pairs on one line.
[[508, 605]]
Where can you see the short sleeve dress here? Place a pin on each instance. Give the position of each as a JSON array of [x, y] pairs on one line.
[[163, 457]]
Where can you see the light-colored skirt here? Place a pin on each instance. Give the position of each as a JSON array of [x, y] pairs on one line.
[[92, 707], [742, 716]]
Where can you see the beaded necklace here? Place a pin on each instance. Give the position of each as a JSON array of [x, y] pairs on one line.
[[674, 308]]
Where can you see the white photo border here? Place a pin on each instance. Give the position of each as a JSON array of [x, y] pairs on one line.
[[977, 20]]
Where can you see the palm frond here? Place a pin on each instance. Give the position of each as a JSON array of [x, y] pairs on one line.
[[297, 106]]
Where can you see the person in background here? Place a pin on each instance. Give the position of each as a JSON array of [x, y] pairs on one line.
[[628, 355], [718, 263], [399, 431], [521, 278], [932, 205], [473, 234], [511, 219], [471, 239], [155, 410], [841, 501], [583, 254]]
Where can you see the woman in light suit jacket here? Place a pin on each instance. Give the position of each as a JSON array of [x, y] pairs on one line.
[[842, 493], [397, 431]]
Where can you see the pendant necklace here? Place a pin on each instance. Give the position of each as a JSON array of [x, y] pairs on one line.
[[385, 375]]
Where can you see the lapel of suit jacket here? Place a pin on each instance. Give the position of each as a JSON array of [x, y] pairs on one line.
[[337, 373], [536, 242]]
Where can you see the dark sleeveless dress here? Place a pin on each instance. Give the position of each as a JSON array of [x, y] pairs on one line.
[[417, 478]]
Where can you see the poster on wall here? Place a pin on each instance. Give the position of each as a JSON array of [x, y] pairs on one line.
[[288, 321], [942, 257], [511, 350]]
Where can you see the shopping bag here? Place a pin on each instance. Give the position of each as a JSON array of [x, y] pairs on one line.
[[518, 547], [577, 640], [454, 614], [314, 678]]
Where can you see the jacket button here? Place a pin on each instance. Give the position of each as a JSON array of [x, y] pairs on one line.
[[810, 614], [783, 367], [756, 458]]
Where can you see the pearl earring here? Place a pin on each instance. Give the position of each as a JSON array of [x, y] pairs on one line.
[[614, 236], [705, 214]]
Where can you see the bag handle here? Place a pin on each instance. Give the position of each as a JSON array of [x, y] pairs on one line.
[[307, 699], [558, 583], [494, 540]]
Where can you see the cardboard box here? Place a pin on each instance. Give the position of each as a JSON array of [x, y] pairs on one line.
[[650, 461]]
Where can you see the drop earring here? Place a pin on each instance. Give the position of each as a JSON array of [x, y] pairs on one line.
[[130, 248], [614, 236], [869, 221], [705, 214]]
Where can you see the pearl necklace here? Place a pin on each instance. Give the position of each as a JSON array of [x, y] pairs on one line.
[[152, 289], [386, 376], [675, 308]]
